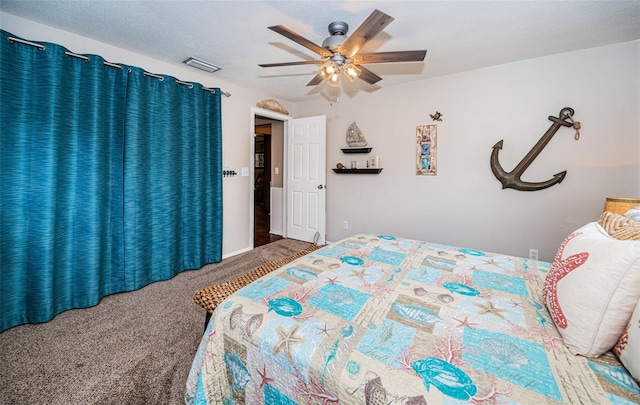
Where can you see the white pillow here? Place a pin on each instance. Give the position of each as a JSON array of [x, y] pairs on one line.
[[628, 347], [592, 289]]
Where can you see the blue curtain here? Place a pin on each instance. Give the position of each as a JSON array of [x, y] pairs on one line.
[[109, 180], [173, 192]]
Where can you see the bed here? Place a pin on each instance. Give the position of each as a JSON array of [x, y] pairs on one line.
[[379, 319]]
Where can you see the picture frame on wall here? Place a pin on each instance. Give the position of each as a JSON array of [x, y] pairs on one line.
[[259, 160], [426, 148]]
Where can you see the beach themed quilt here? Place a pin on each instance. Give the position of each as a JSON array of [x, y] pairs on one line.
[[377, 319]]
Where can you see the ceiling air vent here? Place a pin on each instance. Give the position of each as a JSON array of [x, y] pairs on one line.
[[202, 65]]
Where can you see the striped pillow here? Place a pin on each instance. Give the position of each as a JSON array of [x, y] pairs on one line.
[[619, 226]]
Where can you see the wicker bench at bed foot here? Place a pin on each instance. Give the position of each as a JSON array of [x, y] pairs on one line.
[[210, 297]]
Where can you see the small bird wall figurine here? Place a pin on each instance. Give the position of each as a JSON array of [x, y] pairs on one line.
[[436, 117]]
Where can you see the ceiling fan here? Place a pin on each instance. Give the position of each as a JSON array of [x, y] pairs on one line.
[[339, 52]]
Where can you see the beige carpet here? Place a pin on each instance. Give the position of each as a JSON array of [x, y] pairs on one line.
[[132, 348]]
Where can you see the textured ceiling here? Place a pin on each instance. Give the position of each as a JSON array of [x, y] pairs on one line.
[[459, 36]]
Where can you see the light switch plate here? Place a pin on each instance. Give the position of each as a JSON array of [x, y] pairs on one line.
[[244, 172]]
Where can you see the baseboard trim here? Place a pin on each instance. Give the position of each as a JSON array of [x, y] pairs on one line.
[[237, 252]]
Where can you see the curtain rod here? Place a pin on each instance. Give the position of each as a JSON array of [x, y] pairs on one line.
[[113, 65], [22, 41]]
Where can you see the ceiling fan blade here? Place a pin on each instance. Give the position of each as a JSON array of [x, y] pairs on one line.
[[317, 79], [384, 57], [304, 62], [282, 30], [371, 27], [368, 76]]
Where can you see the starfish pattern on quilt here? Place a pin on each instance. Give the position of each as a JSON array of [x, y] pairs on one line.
[[559, 270], [287, 338], [265, 380], [466, 323], [325, 330], [332, 280], [492, 261], [361, 274], [489, 308]]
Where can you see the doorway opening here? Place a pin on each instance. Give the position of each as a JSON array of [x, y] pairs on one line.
[[267, 180], [297, 198]]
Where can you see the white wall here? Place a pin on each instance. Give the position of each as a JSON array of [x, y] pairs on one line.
[[236, 129], [464, 204]]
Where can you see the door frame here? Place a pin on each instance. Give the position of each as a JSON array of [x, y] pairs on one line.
[[277, 117]]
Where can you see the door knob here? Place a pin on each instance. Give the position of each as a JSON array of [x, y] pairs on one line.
[[320, 187]]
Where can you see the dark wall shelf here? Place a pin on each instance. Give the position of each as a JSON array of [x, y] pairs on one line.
[[357, 171], [356, 150]]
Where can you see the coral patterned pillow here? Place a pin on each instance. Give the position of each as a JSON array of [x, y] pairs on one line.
[[628, 347], [592, 288]]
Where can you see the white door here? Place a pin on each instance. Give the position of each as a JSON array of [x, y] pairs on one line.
[[306, 178]]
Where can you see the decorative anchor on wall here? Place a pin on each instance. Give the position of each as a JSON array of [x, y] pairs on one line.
[[512, 179]]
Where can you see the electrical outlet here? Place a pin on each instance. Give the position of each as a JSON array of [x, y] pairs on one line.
[[533, 254], [345, 224]]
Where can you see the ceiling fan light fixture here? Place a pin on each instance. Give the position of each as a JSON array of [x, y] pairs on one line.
[[352, 72], [202, 65], [334, 79], [329, 69]]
